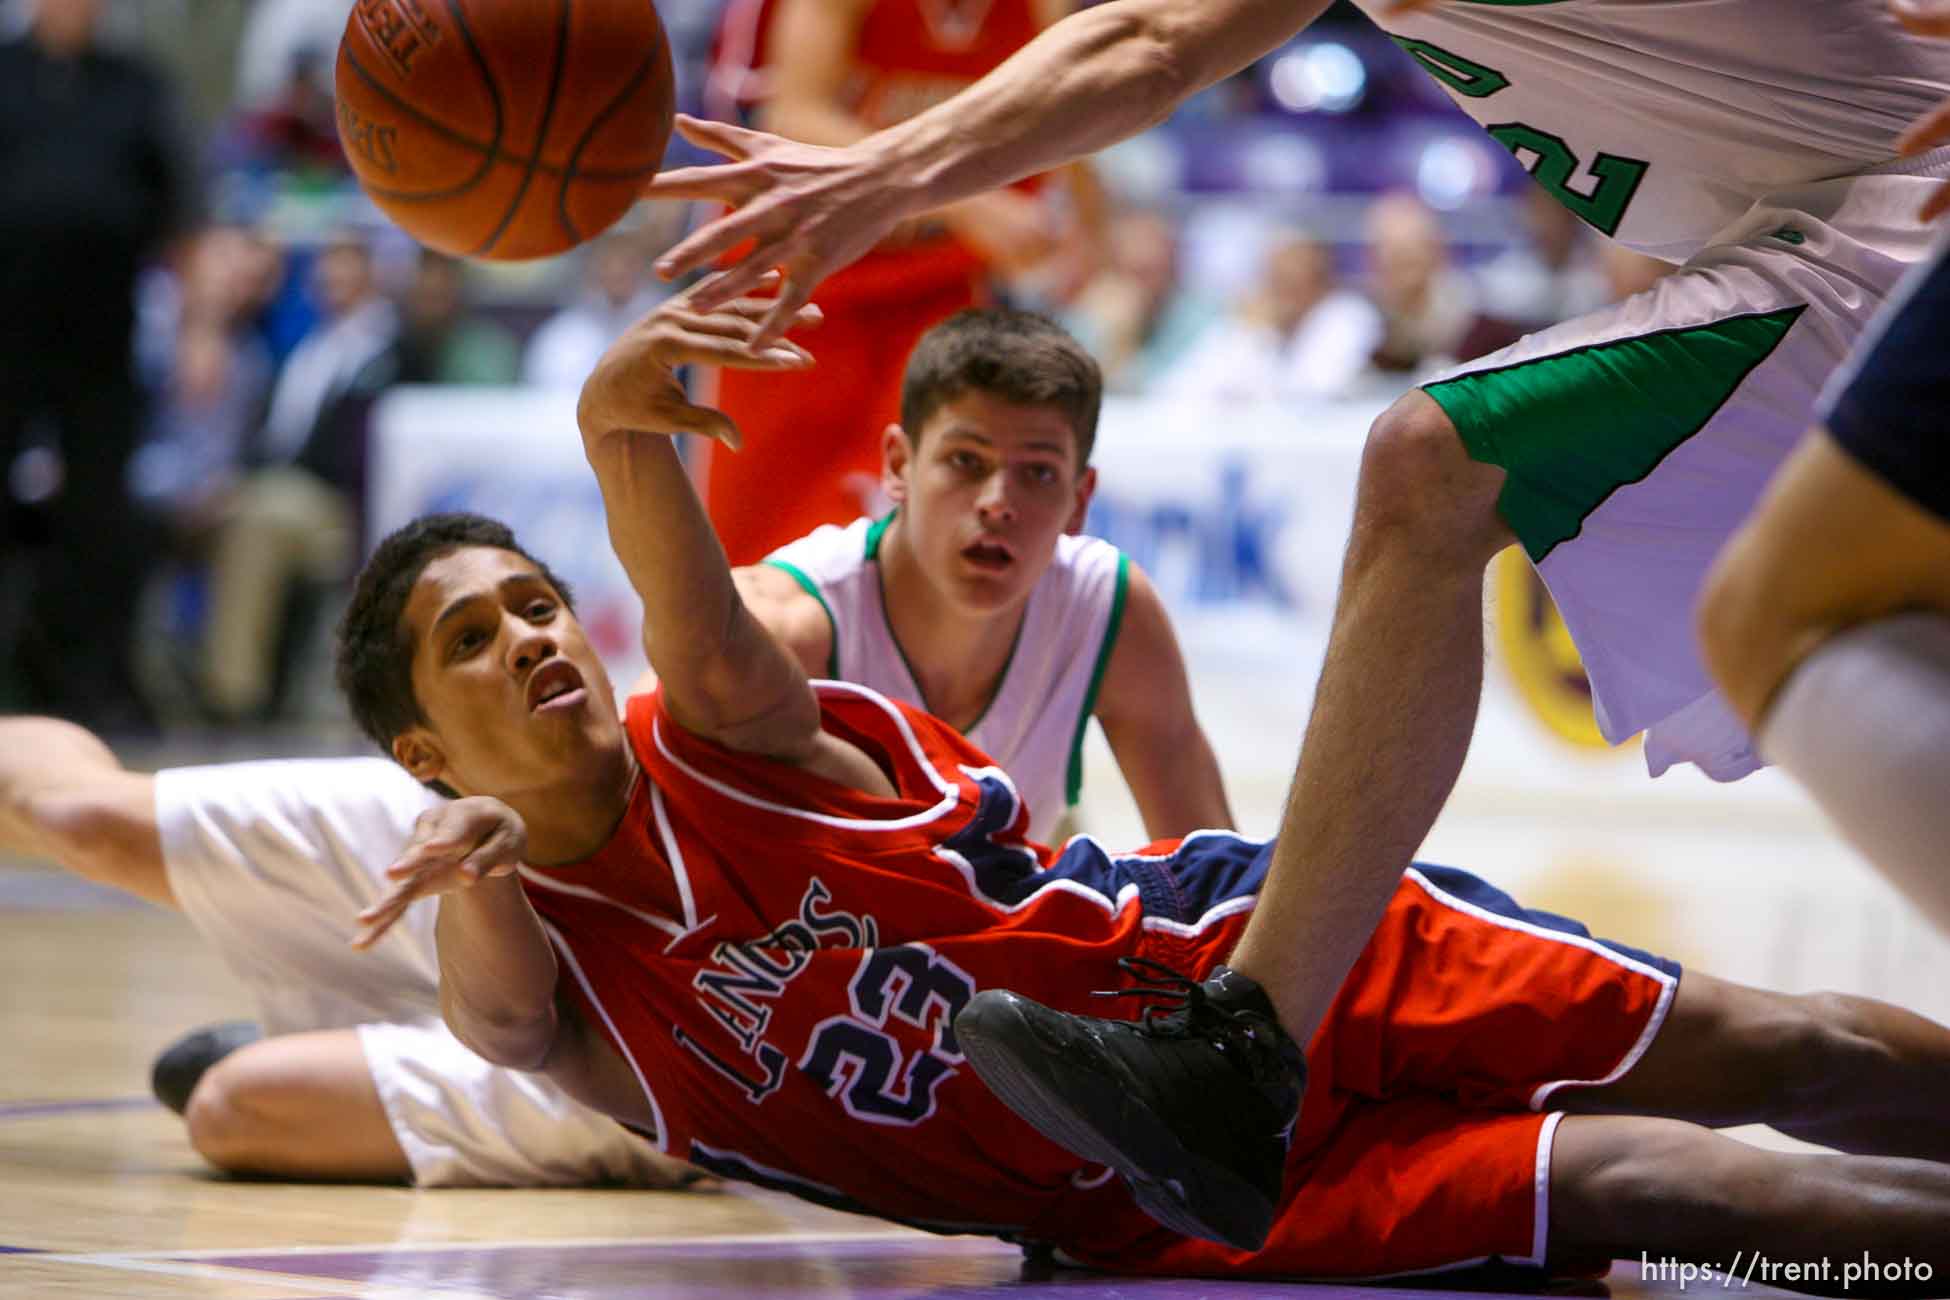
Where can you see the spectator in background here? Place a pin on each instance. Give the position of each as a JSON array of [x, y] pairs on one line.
[[1555, 274], [1135, 316], [442, 341], [93, 182], [1299, 336], [1429, 312], [290, 527], [618, 290], [831, 72], [213, 377], [295, 130]]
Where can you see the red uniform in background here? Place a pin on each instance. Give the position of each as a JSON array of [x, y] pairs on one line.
[[780, 959], [812, 440]]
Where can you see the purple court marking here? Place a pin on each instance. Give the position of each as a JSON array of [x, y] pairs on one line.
[[891, 1269], [21, 1250], [963, 1268], [36, 1109]]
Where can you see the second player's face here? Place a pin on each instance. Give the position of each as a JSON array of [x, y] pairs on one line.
[[514, 696], [986, 494]]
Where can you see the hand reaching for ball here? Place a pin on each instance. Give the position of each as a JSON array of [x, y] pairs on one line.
[[634, 386]]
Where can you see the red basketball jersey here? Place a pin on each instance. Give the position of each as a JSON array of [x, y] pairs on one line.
[[908, 55], [913, 54], [779, 958]]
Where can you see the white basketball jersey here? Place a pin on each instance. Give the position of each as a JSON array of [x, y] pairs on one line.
[[272, 861], [1662, 121], [1033, 726]]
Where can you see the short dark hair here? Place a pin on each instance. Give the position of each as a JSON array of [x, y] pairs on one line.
[[375, 648], [1018, 356]]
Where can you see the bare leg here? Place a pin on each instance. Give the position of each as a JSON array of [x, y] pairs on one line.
[[1625, 1186], [1827, 622], [296, 1106], [65, 797], [1392, 714], [1830, 545], [1851, 1073]]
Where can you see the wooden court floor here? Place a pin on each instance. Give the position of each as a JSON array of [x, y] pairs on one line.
[[101, 1196]]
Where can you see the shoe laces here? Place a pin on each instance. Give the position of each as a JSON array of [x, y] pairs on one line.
[[1184, 1009], [1183, 1000]]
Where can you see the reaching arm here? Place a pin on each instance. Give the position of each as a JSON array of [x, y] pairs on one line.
[[65, 797], [812, 71], [723, 675], [1145, 708], [1090, 80], [497, 969], [497, 974]]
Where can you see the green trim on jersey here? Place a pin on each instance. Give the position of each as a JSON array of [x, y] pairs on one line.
[[804, 579], [1571, 429], [1073, 782], [1466, 77], [876, 531]]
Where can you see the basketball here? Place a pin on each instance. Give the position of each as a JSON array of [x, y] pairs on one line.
[[504, 129]]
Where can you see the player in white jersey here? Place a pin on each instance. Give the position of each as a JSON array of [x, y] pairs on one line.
[[1750, 140], [1827, 619], [359, 1079], [975, 600]]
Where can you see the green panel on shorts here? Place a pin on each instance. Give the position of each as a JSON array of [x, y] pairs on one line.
[[1570, 430]]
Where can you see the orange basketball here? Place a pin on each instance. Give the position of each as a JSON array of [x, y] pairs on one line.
[[504, 129]]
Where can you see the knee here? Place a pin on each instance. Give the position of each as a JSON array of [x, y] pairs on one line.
[[1645, 1181], [1420, 489], [228, 1117], [1754, 624], [1828, 1054], [1739, 621]]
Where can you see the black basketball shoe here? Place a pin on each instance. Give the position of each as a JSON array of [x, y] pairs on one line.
[[174, 1075], [1193, 1104]]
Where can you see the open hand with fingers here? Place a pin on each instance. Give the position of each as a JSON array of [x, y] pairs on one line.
[[634, 387], [455, 846], [809, 211], [1927, 18]]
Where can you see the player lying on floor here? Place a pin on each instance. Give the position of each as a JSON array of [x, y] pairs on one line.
[[974, 599], [744, 918]]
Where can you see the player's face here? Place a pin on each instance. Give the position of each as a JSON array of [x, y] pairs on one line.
[[986, 494], [515, 699]]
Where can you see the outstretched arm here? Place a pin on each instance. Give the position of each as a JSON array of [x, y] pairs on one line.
[[1090, 80], [497, 970], [65, 797], [723, 675]]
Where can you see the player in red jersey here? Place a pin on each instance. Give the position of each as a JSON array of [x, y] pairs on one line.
[[830, 72], [744, 919]]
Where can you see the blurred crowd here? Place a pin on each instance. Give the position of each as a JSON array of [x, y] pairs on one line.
[[202, 314]]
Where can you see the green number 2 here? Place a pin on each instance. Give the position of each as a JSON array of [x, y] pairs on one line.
[[1616, 179]]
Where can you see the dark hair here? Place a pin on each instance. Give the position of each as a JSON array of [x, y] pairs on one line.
[[1018, 356], [375, 648]]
